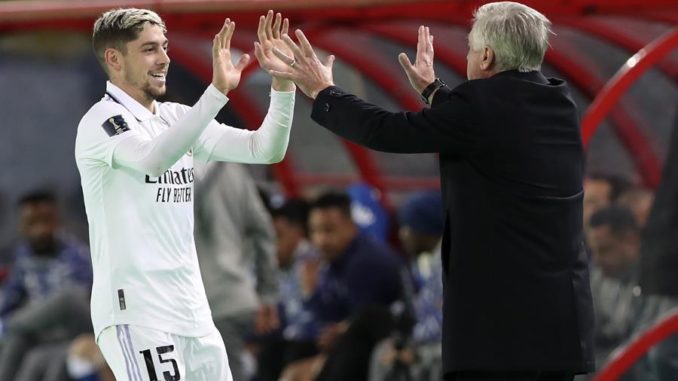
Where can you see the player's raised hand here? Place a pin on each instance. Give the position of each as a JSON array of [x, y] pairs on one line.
[[269, 32], [303, 66], [420, 73], [226, 75]]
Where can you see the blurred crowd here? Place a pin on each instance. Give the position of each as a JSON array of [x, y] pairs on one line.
[[330, 287], [624, 253]]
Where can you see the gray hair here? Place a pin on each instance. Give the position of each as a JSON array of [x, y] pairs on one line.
[[516, 33], [117, 27]]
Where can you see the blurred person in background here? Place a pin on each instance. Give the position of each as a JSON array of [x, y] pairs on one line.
[[45, 299], [297, 258], [638, 200], [135, 157], [418, 354], [6, 247], [83, 362], [351, 293], [614, 240], [517, 296], [602, 190], [235, 242], [368, 212], [86, 362], [659, 269]]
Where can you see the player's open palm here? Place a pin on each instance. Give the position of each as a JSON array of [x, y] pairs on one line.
[[270, 33], [226, 75], [421, 73]]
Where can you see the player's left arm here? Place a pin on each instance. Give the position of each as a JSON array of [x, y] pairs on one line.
[[269, 143], [266, 145]]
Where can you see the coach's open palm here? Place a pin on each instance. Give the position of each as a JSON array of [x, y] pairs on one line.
[[269, 33], [226, 75], [304, 66], [420, 73]]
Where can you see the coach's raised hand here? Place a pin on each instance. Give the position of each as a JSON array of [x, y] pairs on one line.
[[420, 73], [269, 33], [226, 75], [303, 66]]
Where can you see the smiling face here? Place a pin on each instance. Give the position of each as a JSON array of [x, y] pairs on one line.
[[141, 69]]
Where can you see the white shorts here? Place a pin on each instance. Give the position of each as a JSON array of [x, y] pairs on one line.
[[137, 353]]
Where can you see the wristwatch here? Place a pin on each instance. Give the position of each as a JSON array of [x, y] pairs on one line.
[[430, 89]]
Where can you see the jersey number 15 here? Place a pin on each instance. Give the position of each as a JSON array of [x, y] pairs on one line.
[[151, 367]]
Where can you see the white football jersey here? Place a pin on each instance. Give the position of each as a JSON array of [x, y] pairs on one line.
[[141, 226]]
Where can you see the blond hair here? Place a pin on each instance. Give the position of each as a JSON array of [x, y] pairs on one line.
[[115, 28]]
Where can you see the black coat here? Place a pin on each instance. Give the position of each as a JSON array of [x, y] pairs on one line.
[[516, 279]]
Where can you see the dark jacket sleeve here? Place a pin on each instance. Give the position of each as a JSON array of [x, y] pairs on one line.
[[447, 127]]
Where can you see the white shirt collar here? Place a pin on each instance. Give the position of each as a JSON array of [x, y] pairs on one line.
[[137, 109]]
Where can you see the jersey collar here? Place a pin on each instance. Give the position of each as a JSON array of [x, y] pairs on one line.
[[140, 112]]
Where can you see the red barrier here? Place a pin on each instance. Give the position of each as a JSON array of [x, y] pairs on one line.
[[618, 36], [623, 361], [635, 66]]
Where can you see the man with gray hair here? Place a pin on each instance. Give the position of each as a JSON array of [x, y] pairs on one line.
[[135, 156], [517, 301]]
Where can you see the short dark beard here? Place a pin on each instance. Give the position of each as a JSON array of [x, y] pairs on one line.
[[146, 89], [151, 94]]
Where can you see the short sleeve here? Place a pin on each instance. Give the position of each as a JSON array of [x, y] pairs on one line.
[[99, 132]]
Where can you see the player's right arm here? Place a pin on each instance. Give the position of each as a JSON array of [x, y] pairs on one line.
[[153, 156]]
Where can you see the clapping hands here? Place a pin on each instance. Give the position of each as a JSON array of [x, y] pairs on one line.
[[302, 65], [293, 63]]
